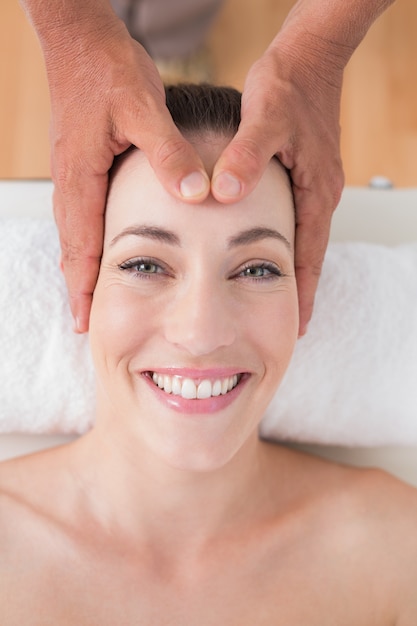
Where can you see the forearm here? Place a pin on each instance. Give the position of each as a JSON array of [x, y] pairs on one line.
[[330, 26], [54, 20]]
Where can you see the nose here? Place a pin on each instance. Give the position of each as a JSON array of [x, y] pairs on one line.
[[200, 319]]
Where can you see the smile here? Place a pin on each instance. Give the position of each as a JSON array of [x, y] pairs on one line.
[[199, 389]]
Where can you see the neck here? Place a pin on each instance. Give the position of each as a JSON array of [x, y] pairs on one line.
[[133, 491]]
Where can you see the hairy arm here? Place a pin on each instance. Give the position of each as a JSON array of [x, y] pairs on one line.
[[291, 108], [106, 94]]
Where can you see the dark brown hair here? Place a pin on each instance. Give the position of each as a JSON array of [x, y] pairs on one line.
[[198, 108], [195, 108]]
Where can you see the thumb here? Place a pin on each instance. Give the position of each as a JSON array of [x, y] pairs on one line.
[[242, 163], [175, 161]]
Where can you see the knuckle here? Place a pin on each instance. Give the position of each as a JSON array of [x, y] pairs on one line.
[[80, 252], [312, 269], [80, 266], [247, 154], [317, 194], [71, 254], [61, 176], [171, 152], [336, 187], [311, 248], [65, 170], [315, 268]]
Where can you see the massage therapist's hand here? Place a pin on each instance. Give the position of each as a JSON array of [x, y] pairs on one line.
[[290, 109], [106, 94]]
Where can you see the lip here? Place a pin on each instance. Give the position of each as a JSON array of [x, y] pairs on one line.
[[196, 407], [195, 374]]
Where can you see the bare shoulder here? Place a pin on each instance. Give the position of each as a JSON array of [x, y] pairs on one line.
[[31, 480], [386, 504], [30, 488], [17, 541], [17, 498], [14, 487], [34, 546], [388, 507], [374, 519], [369, 501], [361, 527], [365, 500]]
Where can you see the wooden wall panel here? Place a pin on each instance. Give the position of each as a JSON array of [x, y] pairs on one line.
[[379, 106], [24, 99]]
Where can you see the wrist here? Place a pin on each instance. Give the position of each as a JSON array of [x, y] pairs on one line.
[[309, 62], [328, 32]]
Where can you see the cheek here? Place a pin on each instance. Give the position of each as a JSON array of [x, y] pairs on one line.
[[274, 330], [120, 324]]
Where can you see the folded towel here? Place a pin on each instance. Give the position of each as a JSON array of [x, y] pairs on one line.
[[353, 377], [352, 380], [47, 379]]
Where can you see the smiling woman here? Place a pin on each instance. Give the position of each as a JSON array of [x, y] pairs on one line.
[[171, 510], [195, 310]]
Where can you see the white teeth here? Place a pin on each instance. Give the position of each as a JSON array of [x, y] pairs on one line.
[[176, 386], [217, 388], [187, 388], [204, 390]]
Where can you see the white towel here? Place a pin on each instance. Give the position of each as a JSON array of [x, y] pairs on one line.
[[353, 377], [47, 380], [352, 381]]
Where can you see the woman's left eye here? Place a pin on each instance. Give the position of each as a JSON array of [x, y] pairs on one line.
[[260, 271], [147, 268], [142, 267]]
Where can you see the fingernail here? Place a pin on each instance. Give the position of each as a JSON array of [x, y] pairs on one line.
[[303, 331], [194, 185], [227, 185], [77, 324]]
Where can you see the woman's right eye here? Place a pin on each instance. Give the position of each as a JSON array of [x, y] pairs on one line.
[[144, 268]]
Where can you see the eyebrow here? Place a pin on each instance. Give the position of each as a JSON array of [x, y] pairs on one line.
[[151, 232], [163, 235], [258, 233]]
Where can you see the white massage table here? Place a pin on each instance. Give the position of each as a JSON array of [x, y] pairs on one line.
[[381, 216]]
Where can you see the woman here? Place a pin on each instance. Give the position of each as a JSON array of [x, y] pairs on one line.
[[171, 510]]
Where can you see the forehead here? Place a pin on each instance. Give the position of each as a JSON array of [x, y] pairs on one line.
[[136, 195]]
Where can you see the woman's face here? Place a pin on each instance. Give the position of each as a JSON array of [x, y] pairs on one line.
[[195, 312]]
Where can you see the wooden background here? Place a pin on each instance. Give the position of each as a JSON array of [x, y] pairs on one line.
[[379, 105]]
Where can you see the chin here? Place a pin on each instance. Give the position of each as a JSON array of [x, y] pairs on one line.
[[199, 458]]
